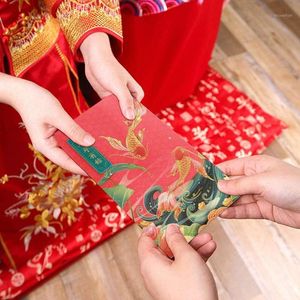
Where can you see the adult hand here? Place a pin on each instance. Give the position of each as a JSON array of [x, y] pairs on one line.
[[42, 115], [185, 277], [107, 76], [270, 189]]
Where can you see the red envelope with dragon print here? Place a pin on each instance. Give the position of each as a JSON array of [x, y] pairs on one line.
[[149, 170]]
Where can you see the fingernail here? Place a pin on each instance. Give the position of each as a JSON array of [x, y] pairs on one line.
[[150, 230], [173, 228], [129, 113], [89, 140]]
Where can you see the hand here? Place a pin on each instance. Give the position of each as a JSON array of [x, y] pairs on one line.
[[270, 189], [42, 115], [185, 277], [107, 76]]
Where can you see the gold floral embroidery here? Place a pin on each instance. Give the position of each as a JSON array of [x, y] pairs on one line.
[[77, 17], [4, 179], [55, 196], [30, 38]]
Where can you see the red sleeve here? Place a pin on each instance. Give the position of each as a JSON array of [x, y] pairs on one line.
[[78, 19]]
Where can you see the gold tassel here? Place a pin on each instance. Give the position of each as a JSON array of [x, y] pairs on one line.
[[7, 253], [69, 69]]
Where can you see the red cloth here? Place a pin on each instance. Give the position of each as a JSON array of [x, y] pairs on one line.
[[168, 52], [221, 122]]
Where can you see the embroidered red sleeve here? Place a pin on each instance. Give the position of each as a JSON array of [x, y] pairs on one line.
[[80, 18]]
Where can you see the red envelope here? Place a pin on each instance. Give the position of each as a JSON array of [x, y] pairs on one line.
[[149, 170]]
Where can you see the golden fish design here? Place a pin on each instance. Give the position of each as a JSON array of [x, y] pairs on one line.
[[182, 166], [183, 163], [134, 146]]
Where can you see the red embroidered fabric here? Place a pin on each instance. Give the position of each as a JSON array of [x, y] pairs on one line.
[[222, 122]]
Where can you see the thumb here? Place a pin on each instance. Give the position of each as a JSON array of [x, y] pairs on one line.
[[242, 186], [70, 128], [135, 90], [176, 241], [126, 102]]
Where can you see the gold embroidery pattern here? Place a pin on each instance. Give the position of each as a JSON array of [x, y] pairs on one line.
[[78, 17], [54, 197], [30, 38]]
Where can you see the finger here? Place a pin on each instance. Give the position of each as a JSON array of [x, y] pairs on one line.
[[246, 199], [240, 166], [247, 211], [146, 241], [204, 245], [242, 185], [71, 129], [200, 240], [176, 241], [247, 165], [135, 90], [148, 251], [207, 250], [126, 102], [59, 157], [234, 166]]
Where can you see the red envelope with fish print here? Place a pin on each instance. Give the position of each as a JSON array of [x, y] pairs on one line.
[[149, 170]]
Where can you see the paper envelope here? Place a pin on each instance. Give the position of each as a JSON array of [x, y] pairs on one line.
[[149, 170]]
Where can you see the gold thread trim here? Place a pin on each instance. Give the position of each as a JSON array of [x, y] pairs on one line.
[[40, 43], [78, 18]]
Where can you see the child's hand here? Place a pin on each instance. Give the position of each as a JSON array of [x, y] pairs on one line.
[[42, 115], [107, 76], [185, 277], [270, 189]]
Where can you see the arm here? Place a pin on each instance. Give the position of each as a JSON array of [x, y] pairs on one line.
[[107, 76], [93, 30], [42, 115]]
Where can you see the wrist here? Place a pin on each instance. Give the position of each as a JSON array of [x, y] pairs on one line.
[[13, 90], [7, 87], [96, 45]]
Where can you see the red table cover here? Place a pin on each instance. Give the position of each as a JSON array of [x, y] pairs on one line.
[[222, 122]]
